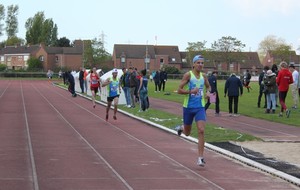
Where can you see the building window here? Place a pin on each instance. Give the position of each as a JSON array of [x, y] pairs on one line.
[[56, 59], [231, 67], [173, 59], [183, 60], [161, 61], [41, 58], [219, 66]]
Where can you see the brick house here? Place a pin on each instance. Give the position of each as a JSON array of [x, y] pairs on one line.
[[274, 58], [127, 55], [61, 57], [146, 56], [237, 62], [16, 57], [152, 57]]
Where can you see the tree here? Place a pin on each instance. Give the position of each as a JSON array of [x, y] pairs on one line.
[[193, 49], [41, 30], [227, 45], [99, 52], [34, 64], [12, 21], [63, 42], [14, 41], [276, 45], [2, 16], [270, 43]]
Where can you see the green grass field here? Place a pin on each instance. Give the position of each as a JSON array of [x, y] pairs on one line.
[[247, 102], [213, 133]]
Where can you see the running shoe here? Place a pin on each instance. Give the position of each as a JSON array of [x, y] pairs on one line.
[[201, 162], [179, 129]]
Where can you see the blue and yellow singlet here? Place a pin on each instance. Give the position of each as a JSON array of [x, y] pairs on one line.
[[113, 87], [194, 100]]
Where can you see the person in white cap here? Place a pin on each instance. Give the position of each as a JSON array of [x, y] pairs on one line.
[[114, 90], [193, 86]]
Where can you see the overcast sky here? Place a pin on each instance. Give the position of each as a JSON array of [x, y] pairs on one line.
[[167, 22]]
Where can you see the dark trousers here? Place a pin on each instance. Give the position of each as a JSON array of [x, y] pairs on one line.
[[233, 100], [162, 85], [81, 81], [217, 104], [157, 85], [260, 96], [71, 88], [282, 96]]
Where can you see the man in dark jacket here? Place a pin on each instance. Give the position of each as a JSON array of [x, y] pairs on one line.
[[71, 81], [81, 81], [262, 86], [214, 90], [163, 79], [233, 88], [156, 79]]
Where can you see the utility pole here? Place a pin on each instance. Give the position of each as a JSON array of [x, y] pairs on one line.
[[103, 40]]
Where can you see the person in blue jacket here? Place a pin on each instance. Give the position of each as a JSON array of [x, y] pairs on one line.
[[233, 89]]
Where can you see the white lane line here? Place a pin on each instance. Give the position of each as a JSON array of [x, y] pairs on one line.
[[255, 126], [5, 89], [34, 174], [145, 144], [86, 141]]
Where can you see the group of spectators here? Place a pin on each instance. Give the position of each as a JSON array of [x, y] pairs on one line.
[[135, 87], [160, 78], [274, 84]]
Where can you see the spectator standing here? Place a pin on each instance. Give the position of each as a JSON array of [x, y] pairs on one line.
[[283, 80], [270, 90], [212, 79], [133, 85], [233, 89], [294, 86], [193, 86], [163, 79], [85, 74], [261, 77], [94, 85], [124, 81], [49, 75], [114, 90], [156, 79], [143, 91], [274, 69], [81, 81]]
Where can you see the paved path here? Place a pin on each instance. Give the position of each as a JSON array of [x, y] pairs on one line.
[[49, 141]]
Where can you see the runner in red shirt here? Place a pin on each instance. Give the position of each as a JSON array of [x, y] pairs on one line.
[[94, 85]]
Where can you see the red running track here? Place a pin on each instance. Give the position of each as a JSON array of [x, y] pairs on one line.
[[52, 141]]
